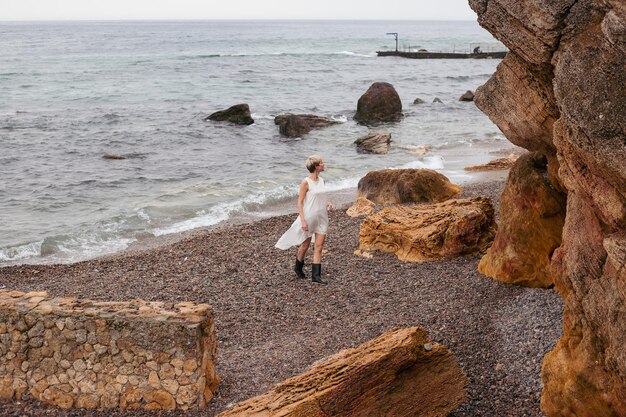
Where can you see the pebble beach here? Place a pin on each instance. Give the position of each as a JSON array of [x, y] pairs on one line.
[[271, 325]]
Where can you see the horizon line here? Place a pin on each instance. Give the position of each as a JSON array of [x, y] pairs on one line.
[[228, 20]]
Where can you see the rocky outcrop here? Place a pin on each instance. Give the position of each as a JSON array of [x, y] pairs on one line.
[[238, 114], [430, 232], [495, 165], [296, 125], [394, 186], [374, 142], [418, 101], [401, 373], [560, 91], [467, 96], [532, 214], [361, 207], [87, 354], [380, 103]]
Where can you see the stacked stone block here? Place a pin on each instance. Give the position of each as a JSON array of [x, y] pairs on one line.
[[86, 354]]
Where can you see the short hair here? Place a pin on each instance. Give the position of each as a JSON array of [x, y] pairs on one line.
[[312, 162]]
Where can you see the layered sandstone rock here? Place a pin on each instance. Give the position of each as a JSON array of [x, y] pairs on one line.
[[295, 125], [374, 142], [532, 214], [394, 186], [560, 91], [86, 354], [429, 232], [238, 114], [380, 103], [400, 373], [361, 207], [495, 165]]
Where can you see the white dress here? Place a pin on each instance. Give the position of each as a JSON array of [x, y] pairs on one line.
[[315, 213]]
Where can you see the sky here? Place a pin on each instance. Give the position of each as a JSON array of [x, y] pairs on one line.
[[235, 9]]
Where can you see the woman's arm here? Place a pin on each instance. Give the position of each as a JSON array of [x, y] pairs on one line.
[[304, 188]]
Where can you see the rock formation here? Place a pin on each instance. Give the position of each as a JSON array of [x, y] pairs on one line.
[[560, 91], [418, 101], [374, 142], [495, 165], [401, 373], [437, 100], [467, 96], [394, 186], [532, 214], [361, 207], [429, 232], [380, 103], [238, 114], [296, 125]]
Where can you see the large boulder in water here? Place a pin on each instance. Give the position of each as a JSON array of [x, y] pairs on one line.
[[532, 214], [428, 232], [393, 186], [296, 125], [238, 114], [400, 373], [380, 103], [560, 91]]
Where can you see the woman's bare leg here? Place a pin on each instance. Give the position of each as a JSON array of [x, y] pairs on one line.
[[303, 248], [317, 250]]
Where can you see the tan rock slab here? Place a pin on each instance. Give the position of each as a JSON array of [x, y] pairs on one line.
[[427, 232]]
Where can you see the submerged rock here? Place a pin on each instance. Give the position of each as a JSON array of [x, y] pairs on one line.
[[380, 103], [393, 186], [428, 232], [374, 142], [296, 125], [467, 96], [400, 373], [437, 100], [113, 156], [418, 101], [238, 114]]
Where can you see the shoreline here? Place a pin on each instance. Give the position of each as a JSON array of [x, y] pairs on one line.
[[271, 326]]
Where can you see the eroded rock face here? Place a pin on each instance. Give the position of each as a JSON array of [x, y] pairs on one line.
[[532, 214], [238, 114], [495, 165], [394, 186], [295, 125], [380, 103], [401, 373], [361, 207], [429, 232], [560, 91]]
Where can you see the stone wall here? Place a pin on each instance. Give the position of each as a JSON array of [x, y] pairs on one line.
[[86, 354]]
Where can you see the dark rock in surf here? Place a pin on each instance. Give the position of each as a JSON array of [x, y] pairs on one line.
[[380, 103], [238, 114], [468, 96], [295, 125]]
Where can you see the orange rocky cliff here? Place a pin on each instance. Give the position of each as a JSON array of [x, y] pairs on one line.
[[560, 91]]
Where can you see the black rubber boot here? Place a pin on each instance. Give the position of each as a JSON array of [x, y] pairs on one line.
[[298, 269], [316, 269]]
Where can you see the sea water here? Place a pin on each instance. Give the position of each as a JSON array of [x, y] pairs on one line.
[[72, 91]]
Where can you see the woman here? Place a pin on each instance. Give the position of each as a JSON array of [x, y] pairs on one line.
[[312, 222]]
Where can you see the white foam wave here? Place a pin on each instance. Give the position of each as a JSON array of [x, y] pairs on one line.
[[430, 162], [341, 118], [262, 116], [20, 252], [350, 53]]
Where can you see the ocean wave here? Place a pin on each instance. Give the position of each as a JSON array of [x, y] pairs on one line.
[[430, 162], [260, 54], [20, 252]]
